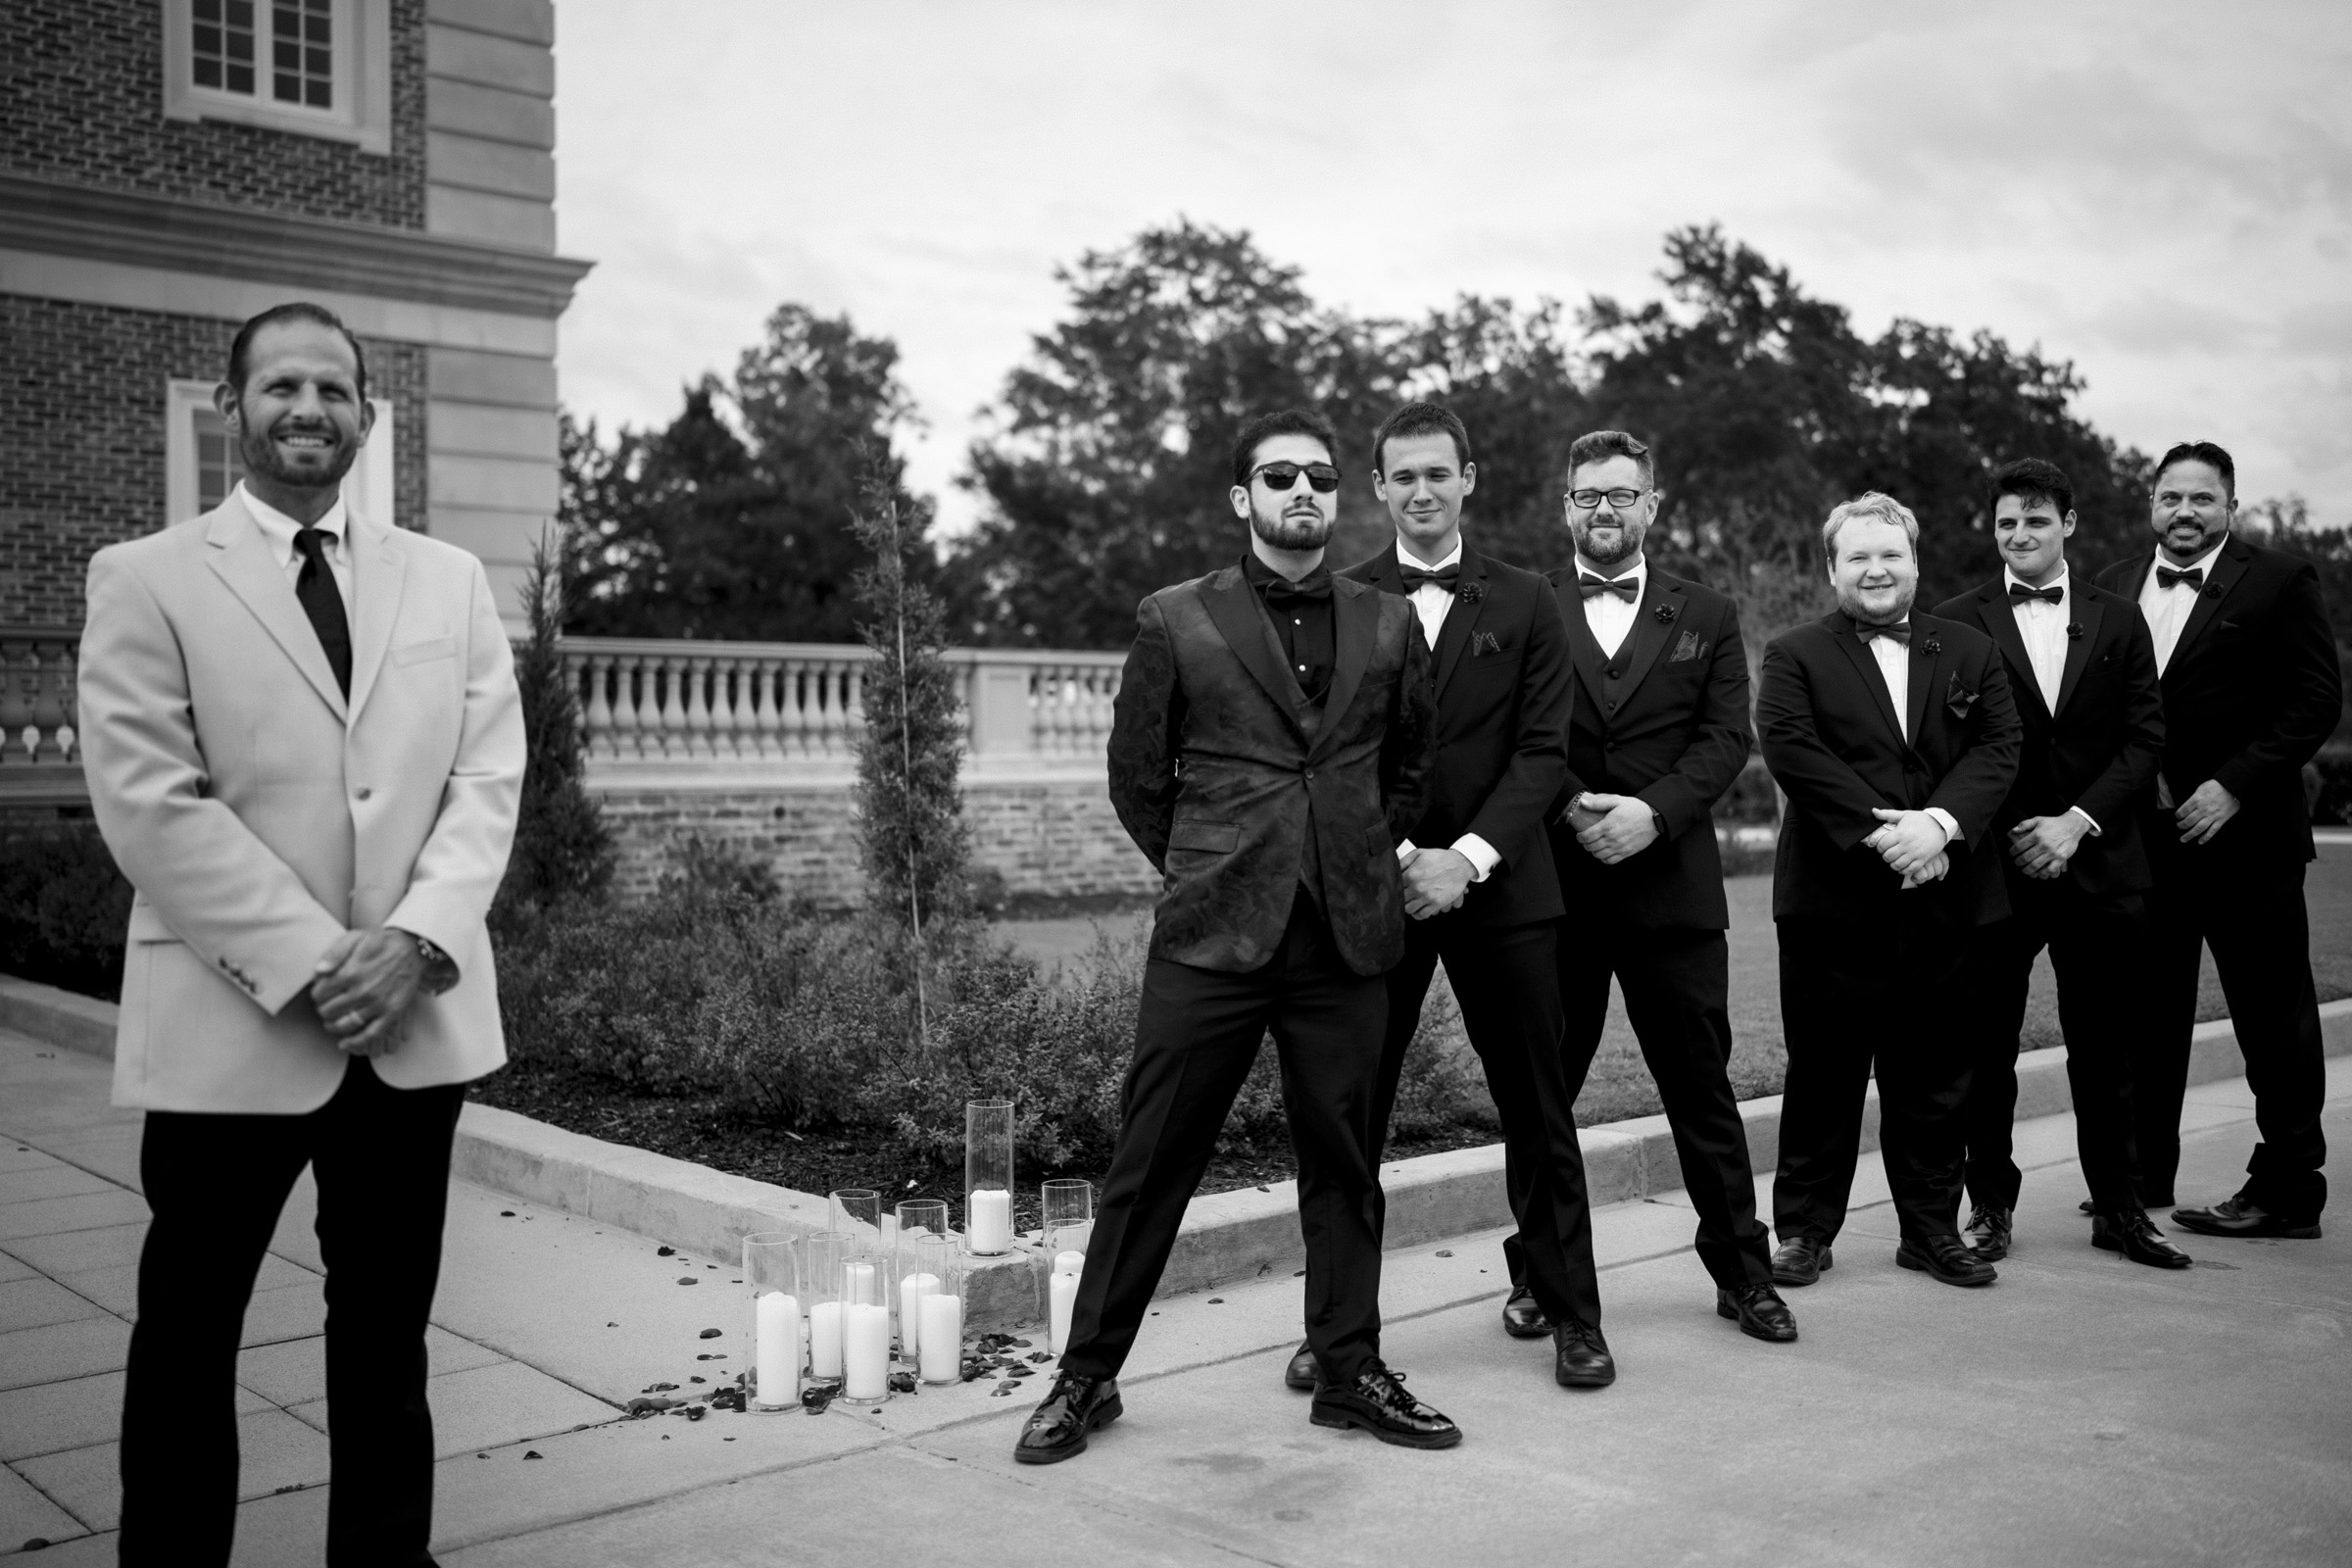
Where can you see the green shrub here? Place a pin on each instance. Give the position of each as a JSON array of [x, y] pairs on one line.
[[2328, 784], [63, 908]]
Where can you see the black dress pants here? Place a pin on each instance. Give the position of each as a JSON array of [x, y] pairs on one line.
[[1197, 1033], [2260, 934], [216, 1184], [1677, 997], [2098, 955], [1854, 999], [1504, 983]]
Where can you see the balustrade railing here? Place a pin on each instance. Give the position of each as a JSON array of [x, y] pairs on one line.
[[37, 696]]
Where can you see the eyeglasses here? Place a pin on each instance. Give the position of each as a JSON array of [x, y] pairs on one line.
[[1587, 499], [1320, 476]]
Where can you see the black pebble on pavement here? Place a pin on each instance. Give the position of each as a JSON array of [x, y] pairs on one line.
[[665, 1251], [708, 1334]]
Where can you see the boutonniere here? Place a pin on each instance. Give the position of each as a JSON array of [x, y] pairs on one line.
[[2073, 632], [1958, 698], [1929, 644], [2214, 592], [1471, 592], [1664, 612]]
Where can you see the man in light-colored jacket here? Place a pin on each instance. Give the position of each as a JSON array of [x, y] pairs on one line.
[[305, 748]]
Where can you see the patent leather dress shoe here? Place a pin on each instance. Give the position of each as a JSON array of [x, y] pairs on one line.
[[2136, 1237], [1946, 1258], [1760, 1313], [1800, 1261], [1988, 1233], [2241, 1216], [1300, 1372], [1377, 1402], [1522, 1318], [1581, 1358], [1059, 1428]]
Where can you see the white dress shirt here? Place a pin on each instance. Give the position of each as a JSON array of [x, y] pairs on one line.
[[278, 530], [1431, 602], [2167, 608], [1610, 617], [2042, 626], [1895, 663]]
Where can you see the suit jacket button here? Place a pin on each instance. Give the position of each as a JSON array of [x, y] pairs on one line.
[[1311, 775], [365, 793]]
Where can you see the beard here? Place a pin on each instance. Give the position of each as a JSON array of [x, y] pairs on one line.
[[1627, 541], [1295, 526], [1851, 603], [257, 450]]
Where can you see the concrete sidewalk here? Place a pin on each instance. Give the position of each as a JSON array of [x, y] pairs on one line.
[[2083, 1409]]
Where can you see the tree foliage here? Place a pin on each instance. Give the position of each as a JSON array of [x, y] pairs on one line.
[[563, 846]]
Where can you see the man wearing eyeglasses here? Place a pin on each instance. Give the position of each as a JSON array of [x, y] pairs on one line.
[[2251, 689], [1478, 876], [1270, 747], [1661, 732]]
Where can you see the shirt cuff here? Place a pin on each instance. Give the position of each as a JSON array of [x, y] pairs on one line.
[[2096, 831], [1404, 851], [1479, 853], [1949, 822]]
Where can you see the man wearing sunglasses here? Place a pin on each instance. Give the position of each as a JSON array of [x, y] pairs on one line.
[[1270, 748], [1478, 876]]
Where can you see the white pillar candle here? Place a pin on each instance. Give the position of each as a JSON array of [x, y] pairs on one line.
[[1063, 1292], [777, 1350], [912, 1288], [824, 1340], [865, 1349], [943, 1337], [860, 1283], [1068, 1263], [987, 1226]]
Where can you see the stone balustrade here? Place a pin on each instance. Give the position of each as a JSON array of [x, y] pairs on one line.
[[40, 762]]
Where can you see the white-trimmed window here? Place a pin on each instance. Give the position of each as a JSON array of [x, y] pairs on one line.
[[320, 68], [201, 465]]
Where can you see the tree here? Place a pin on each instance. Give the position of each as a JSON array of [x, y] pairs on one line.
[[563, 846], [734, 521]]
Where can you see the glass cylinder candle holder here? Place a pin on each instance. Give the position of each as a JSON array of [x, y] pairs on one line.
[[931, 1307], [821, 1257], [864, 1323], [917, 1218], [988, 1177], [1069, 1223], [771, 1276], [853, 1211]]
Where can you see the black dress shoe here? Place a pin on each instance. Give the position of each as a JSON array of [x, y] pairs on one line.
[[1581, 1358], [2136, 1237], [1059, 1427], [1761, 1312], [1988, 1233], [2241, 1216], [1800, 1261], [1301, 1373], [1522, 1318], [1945, 1256], [1377, 1402]]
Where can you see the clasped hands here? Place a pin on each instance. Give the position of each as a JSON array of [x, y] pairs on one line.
[[1912, 844], [364, 986], [1612, 827], [2042, 845], [2207, 810], [1434, 881]]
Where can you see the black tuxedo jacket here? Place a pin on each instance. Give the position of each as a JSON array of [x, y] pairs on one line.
[[1829, 737], [1503, 691], [1220, 768], [1672, 730], [2251, 692], [2100, 750]]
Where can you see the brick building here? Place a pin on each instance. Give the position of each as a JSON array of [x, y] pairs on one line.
[[169, 168]]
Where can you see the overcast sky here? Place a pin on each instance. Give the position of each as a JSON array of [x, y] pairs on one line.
[[2160, 192]]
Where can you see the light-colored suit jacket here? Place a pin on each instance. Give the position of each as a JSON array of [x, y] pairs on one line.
[[258, 815]]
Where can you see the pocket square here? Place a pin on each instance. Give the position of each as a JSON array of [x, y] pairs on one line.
[[1958, 698], [1688, 646], [1485, 642]]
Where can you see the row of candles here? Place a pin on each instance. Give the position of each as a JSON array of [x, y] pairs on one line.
[[822, 1304]]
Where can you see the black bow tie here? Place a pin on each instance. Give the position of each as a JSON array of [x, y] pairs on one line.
[[1315, 584], [1414, 576], [2054, 594], [1625, 588], [2194, 576], [1900, 631]]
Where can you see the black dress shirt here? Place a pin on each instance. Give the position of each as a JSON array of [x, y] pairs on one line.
[[1301, 618]]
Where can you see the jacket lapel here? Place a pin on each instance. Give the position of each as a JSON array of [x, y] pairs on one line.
[[1454, 632], [2082, 635], [1866, 665], [1233, 610], [378, 568], [242, 560], [1994, 611], [1354, 624], [1582, 644], [1647, 639], [2228, 567]]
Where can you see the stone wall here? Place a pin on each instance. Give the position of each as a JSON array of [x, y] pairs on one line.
[[1048, 836]]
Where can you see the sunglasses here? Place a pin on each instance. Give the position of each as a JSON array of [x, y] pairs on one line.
[[1321, 476]]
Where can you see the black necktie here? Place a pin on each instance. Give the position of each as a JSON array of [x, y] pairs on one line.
[[1624, 588], [1900, 631], [2194, 576], [1414, 576], [322, 601], [1315, 584], [2054, 594]]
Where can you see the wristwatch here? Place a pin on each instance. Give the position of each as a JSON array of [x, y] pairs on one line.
[[440, 970]]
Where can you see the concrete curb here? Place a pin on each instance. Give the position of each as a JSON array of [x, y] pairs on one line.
[[1225, 1236]]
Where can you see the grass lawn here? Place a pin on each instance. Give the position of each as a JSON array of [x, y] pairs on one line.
[[1620, 1083]]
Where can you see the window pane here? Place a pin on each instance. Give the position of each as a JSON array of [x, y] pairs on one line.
[[208, 10], [302, 52], [218, 466], [221, 37], [240, 80]]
